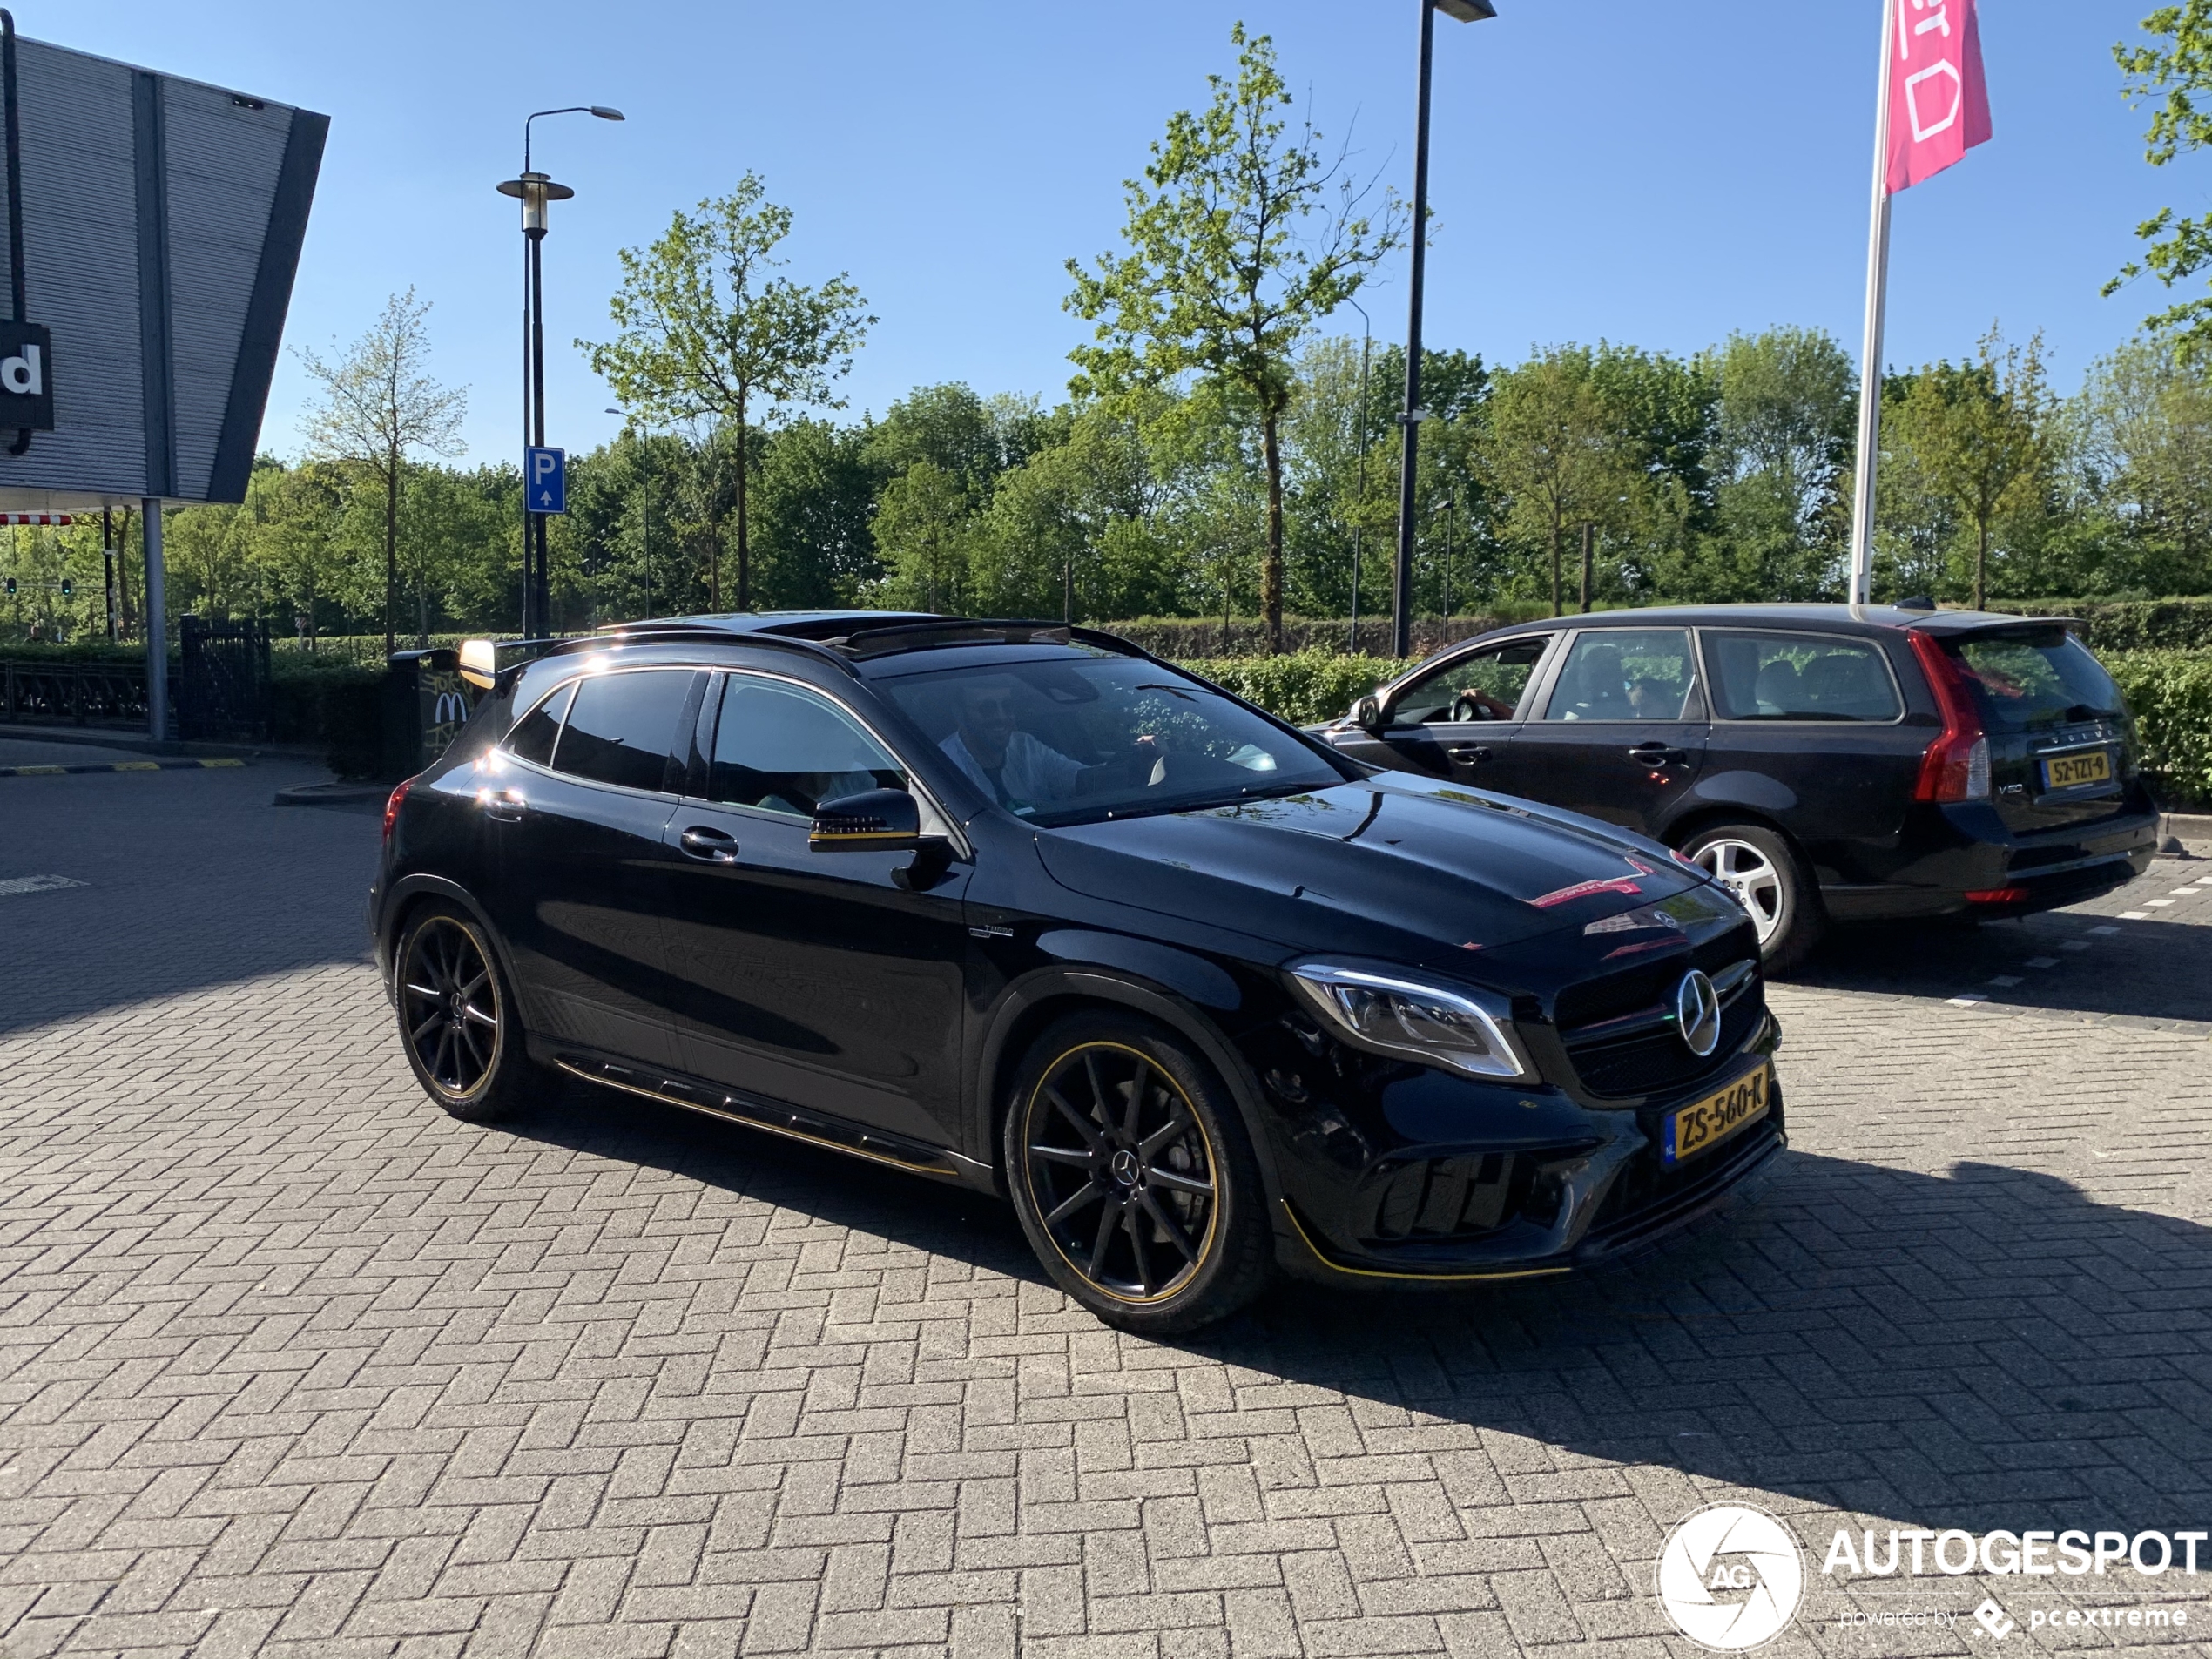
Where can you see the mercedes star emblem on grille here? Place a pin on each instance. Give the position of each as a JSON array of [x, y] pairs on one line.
[[1697, 1013]]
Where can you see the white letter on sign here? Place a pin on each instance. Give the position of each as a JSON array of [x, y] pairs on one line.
[[23, 375]]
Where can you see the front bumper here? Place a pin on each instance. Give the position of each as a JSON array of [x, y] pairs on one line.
[[1420, 1178]]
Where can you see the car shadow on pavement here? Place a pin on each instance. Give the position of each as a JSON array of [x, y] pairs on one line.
[[1986, 1348], [2155, 970]]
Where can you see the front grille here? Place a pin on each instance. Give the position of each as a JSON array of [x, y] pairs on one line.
[[1638, 1051], [1658, 1060], [1454, 1198]]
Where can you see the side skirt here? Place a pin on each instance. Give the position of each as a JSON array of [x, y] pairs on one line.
[[774, 1118]]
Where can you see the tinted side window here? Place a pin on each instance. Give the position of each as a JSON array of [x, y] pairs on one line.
[[1797, 677], [532, 738], [622, 727], [785, 750], [1624, 674], [1486, 686]]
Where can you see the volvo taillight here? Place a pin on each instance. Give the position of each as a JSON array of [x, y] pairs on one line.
[[1956, 766], [392, 809]]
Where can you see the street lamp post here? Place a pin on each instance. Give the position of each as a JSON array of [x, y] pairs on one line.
[[1409, 421], [535, 190]]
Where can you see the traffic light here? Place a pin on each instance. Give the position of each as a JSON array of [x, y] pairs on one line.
[[11, 587], [68, 587]]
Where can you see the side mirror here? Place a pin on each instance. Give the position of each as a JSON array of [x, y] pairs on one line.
[[875, 820], [1367, 714]]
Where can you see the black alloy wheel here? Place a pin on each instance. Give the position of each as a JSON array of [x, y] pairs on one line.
[[1134, 1178], [456, 1017]]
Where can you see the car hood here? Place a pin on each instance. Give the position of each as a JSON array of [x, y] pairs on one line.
[[1393, 864]]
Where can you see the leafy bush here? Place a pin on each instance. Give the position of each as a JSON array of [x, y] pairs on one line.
[[1302, 687], [337, 705], [2171, 694]]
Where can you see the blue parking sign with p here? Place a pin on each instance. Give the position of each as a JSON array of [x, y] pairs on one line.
[[545, 479]]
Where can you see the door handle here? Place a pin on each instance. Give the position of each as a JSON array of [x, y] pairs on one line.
[[709, 845], [1658, 754], [1469, 754], [502, 806]]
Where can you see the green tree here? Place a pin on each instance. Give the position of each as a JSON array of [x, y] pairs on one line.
[[708, 334], [1557, 454], [1981, 434], [1235, 253], [2174, 66], [379, 406], [2141, 435], [922, 529], [1781, 458]]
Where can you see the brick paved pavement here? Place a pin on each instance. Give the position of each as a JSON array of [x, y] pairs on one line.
[[290, 1363]]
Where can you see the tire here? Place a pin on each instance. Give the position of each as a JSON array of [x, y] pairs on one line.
[[1155, 1232], [457, 1018], [1765, 872]]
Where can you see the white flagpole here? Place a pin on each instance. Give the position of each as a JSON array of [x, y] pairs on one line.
[[1870, 357]]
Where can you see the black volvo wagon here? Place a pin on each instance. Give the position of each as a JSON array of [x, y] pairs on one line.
[[1023, 909], [1825, 763]]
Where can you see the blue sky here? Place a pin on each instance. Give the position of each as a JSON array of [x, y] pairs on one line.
[[1656, 174]]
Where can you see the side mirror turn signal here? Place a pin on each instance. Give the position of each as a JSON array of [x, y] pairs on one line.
[[875, 820]]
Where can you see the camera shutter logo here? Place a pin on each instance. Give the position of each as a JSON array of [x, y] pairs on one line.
[[1730, 1578], [1697, 1013]]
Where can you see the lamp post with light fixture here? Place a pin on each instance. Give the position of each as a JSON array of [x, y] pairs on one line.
[[535, 190], [1409, 421]]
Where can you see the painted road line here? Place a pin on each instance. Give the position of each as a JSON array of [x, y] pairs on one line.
[[38, 884], [2135, 915], [1966, 1001], [2079, 944], [2006, 981], [2042, 961], [2108, 930]]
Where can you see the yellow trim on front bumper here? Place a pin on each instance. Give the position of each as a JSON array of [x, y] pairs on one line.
[[1306, 1239]]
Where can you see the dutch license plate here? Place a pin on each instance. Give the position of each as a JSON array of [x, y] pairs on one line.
[[2090, 766], [1690, 1130]]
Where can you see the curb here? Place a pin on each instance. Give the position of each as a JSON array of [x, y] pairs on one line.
[[122, 765], [332, 794]]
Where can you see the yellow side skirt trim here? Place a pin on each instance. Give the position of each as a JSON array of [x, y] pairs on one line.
[[1306, 1239]]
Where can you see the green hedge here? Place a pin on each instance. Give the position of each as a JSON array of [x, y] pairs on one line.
[[2127, 624], [1302, 687], [2171, 694], [336, 706]]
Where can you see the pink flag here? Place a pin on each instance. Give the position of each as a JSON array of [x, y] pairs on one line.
[[1939, 101]]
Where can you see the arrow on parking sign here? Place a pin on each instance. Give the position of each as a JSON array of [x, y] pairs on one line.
[[545, 477]]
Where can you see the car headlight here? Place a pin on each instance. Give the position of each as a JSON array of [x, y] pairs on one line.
[[1457, 1029]]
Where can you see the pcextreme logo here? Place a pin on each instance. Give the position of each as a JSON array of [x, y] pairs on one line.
[[1730, 1578]]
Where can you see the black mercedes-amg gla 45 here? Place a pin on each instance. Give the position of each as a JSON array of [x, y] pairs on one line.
[[1021, 908]]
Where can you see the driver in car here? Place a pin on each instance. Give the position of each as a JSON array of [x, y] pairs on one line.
[[997, 755]]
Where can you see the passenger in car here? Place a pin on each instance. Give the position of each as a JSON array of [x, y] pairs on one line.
[[1599, 691], [1778, 691]]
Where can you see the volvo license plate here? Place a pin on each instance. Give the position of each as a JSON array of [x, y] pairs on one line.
[[2068, 771], [1703, 1125]]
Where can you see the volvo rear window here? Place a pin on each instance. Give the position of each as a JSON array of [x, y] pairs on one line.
[[2026, 681]]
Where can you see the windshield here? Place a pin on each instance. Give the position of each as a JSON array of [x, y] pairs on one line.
[[2023, 682], [1076, 740]]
